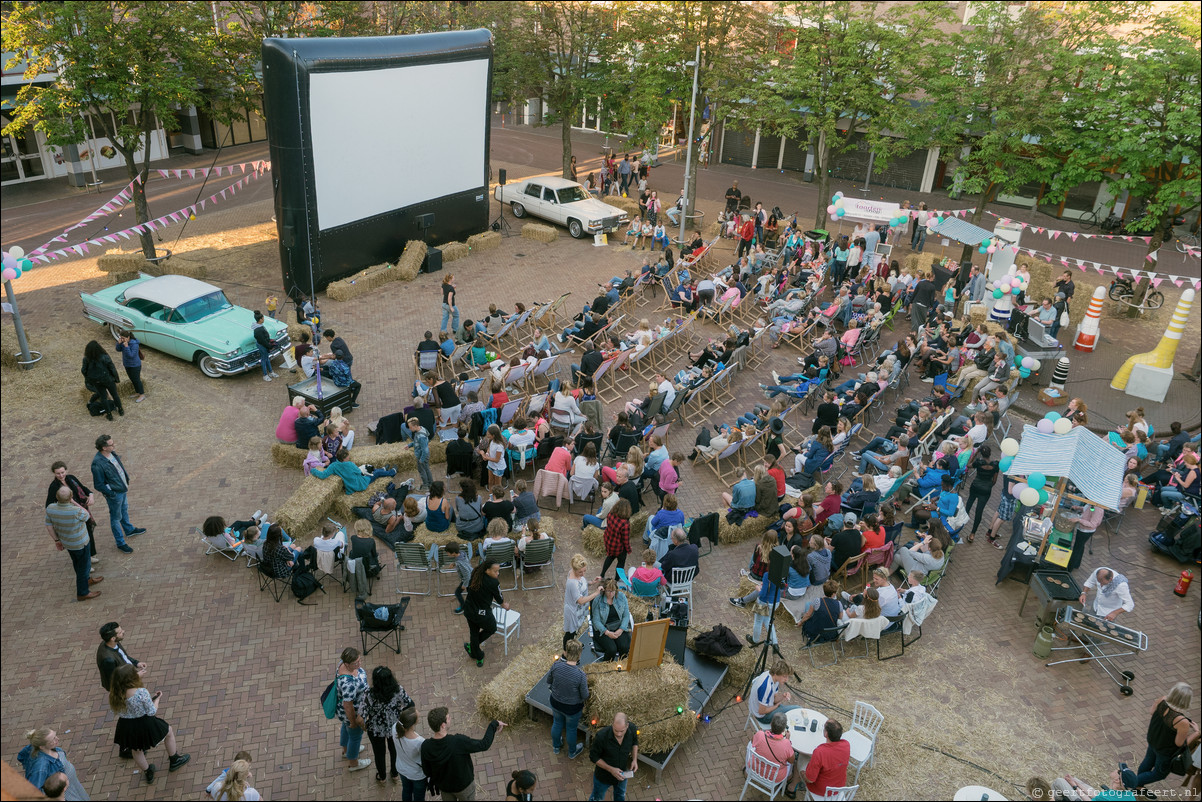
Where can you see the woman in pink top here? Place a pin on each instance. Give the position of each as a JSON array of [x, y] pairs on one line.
[[285, 430], [647, 572], [560, 461]]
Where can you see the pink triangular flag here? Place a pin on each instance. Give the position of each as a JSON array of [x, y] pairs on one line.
[[1127, 238], [191, 173], [1073, 235], [163, 173], [1177, 280], [1151, 257], [222, 194], [1063, 261], [1098, 268], [178, 173], [1147, 240], [202, 204], [1156, 282]]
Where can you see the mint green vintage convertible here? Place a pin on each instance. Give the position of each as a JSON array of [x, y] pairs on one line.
[[185, 318]]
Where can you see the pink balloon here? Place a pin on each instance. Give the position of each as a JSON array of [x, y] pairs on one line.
[[8, 274], [830, 209], [991, 249]]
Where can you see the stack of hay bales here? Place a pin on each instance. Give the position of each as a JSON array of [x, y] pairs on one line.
[[304, 509], [713, 230], [540, 232], [485, 241], [361, 283], [123, 262], [454, 251], [504, 698], [192, 264], [752, 529], [628, 205], [649, 697], [344, 505], [287, 456]]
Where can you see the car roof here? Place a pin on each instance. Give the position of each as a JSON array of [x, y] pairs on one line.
[[170, 291], [554, 182]]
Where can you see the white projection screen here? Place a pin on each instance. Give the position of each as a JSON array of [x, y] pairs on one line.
[[375, 141], [394, 158]]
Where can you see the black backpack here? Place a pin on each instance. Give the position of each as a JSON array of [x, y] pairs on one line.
[[718, 642], [304, 585]]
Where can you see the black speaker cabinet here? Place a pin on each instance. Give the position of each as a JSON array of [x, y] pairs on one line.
[[433, 262], [778, 566], [501, 176]]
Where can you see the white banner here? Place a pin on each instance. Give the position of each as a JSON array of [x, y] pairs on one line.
[[876, 211]]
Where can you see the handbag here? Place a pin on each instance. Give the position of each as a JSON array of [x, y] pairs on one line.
[[329, 699]]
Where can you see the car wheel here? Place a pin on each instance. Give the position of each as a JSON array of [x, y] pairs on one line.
[[207, 365], [575, 229], [518, 210], [115, 330]]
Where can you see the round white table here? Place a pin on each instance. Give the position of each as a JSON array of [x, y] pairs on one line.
[[975, 793], [805, 740]]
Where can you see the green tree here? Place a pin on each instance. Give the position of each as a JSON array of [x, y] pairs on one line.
[[1135, 121], [127, 64], [843, 74]]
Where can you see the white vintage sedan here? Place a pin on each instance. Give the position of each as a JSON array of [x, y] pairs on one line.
[[564, 202]]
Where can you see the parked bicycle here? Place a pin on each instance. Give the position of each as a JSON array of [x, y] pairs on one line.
[[1122, 290]]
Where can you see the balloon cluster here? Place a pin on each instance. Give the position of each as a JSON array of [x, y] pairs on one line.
[[988, 246], [900, 220], [1008, 284], [836, 206], [1054, 423], [14, 263], [1026, 365]]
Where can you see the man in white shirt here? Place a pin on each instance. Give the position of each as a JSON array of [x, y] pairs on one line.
[[666, 389], [979, 430], [761, 700], [887, 595], [1113, 596]]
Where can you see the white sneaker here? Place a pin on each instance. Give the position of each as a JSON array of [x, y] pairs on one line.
[[800, 361], [258, 516], [363, 763], [776, 377], [274, 375], [266, 378]]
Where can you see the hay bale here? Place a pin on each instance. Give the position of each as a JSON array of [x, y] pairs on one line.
[[361, 283], [184, 266], [454, 251], [592, 541], [504, 698], [388, 455], [913, 261], [412, 258], [287, 456], [485, 241], [343, 505], [438, 453], [122, 262], [295, 329], [120, 278], [648, 696], [539, 232], [125, 389], [752, 529], [739, 665], [638, 525], [628, 205], [305, 508], [9, 352], [713, 230], [425, 537]]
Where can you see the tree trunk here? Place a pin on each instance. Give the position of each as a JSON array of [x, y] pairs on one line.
[[1140, 287], [565, 134], [141, 209], [821, 154]]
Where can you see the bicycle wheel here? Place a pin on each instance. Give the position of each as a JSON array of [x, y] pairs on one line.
[[1090, 218], [1117, 289], [1154, 300]]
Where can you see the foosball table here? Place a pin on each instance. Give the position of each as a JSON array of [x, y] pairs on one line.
[[1096, 636]]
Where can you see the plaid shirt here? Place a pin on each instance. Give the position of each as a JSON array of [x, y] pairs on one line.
[[617, 535]]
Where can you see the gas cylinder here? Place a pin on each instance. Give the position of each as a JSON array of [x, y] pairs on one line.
[[1043, 643], [1183, 581]]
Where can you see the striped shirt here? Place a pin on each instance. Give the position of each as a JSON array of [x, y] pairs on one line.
[[67, 521]]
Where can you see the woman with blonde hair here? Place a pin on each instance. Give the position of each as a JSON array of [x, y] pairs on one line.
[[343, 427], [577, 598], [1169, 730], [42, 757], [138, 726], [236, 785], [634, 466]]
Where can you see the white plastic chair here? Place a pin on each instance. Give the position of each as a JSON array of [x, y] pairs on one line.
[[681, 583], [509, 623], [865, 724], [759, 772], [752, 721], [833, 794]]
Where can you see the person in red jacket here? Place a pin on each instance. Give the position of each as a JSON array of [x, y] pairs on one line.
[[746, 235], [828, 765]]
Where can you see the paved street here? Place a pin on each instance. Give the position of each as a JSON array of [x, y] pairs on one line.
[[968, 704]]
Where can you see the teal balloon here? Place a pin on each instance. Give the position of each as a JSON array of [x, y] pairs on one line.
[[997, 294], [1053, 416], [25, 264], [1024, 372], [1018, 360], [840, 212], [1037, 480], [1043, 496], [18, 271], [1006, 463]]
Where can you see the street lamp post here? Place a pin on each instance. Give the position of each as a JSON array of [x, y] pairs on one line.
[[688, 161]]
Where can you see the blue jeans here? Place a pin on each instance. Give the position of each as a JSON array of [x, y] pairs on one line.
[[919, 238], [782, 709], [761, 623], [880, 445], [562, 722], [449, 313], [119, 517], [1162, 451], [1154, 768], [81, 561], [600, 789], [349, 740], [1170, 496], [594, 521], [413, 790], [264, 359], [870, 458]]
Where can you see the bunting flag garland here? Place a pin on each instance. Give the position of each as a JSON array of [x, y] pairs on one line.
[[1054, 233], [1069, 261], [44, 256]]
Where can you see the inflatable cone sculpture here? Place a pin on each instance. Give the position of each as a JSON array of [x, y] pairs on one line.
[[1162, 355], [1087, 330]]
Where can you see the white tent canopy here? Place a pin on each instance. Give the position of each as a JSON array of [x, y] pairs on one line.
[[1090, 462]]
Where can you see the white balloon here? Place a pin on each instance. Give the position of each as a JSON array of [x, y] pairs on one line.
[[1009, 446], [1062, 426], [16, 252]]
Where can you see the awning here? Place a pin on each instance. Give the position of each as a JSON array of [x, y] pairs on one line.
[[1090, 462], [960, 231]]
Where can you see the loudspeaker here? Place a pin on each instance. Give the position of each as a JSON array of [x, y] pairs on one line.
[[433, 262], [424, 221], [778, 566], [501, 176]]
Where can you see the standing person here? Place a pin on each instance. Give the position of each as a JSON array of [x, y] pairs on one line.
[[111, 655], [733, 196], [43, 756], [421, 451], [615, 750], [272, 302], [569, 692], [450, 310], [1113, 596], [746, 235], [409, 757], [131, 360], [263, 341], [447, 759], [379, 708], [617, 535], [625, 171], [919, 237], [1168, 731], [463, 566], [981, 489], [100, 377], [80, 494], [576, 599], [138, 726], [66, 523], [573, 169], [521, 787], [111, 479], [482, 591], [350, 683]]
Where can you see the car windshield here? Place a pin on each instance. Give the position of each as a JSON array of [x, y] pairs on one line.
[[572, 194], [201, 307]]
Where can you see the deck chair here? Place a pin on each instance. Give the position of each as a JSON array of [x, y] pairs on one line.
[[413, 559], [379, 630], [542, 370], [230, 551], [539, 554], [504, 554]]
